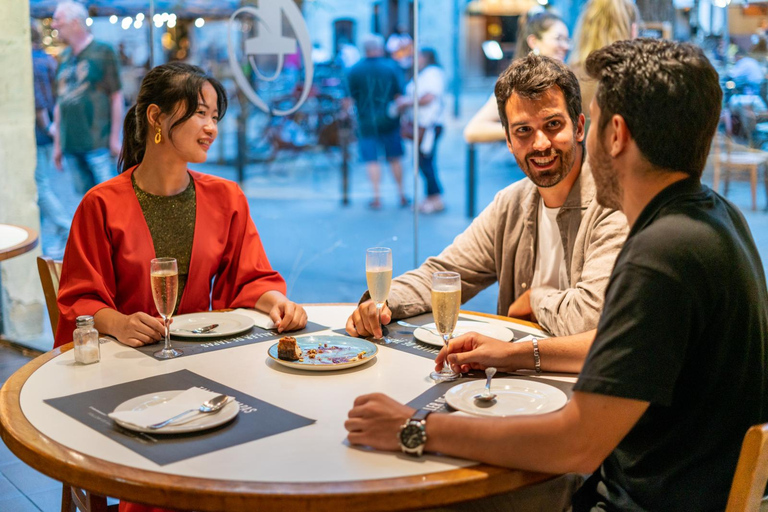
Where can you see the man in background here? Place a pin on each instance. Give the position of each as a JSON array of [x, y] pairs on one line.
[[375, 83], [89, 108], [54, 221]]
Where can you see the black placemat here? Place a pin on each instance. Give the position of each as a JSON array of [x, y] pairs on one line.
[[257, 418], [192, 346], [402, 338], [433, 399]]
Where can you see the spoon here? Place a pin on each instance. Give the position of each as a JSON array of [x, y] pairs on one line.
[[199, 330], [212, 405], [487, 396], [406, 324]]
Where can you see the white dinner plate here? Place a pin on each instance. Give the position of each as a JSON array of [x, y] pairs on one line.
[[341, 352], [229, 324], [202, 421], [513, 398], [463, 327]]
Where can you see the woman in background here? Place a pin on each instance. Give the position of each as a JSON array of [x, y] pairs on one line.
[[543, 33], [157, 207], [601, 23], [431, 80]]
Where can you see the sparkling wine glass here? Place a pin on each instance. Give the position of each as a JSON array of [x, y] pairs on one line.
[[164, 273], [378, 272], [446, 301]]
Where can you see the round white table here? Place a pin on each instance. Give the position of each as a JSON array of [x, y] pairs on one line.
[[16, 240], [309, 468]]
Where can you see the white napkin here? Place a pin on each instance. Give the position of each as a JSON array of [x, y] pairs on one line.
[[526, 338], [259, 319], [192, 398]]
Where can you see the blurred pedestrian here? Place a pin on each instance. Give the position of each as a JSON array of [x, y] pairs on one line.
[[431, 89], [400, 48], [601, 23], [375, 83], [54, 220], [541, 32], [90, 104]]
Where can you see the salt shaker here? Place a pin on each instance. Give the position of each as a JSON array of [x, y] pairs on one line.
[[86, 339]]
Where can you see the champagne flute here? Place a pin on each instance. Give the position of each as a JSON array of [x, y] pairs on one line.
[[378, 272], [164, 275], [446, 301]]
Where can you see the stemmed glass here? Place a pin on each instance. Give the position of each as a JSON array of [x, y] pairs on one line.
[[378, 272], [446, 301], [164, 273]]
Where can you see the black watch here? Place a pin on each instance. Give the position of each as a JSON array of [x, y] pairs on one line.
[[413, 434]]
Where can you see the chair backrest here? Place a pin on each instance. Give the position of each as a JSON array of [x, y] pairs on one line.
[[751, 474], [50, 271]]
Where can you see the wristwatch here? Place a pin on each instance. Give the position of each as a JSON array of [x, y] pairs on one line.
[[413, 434]]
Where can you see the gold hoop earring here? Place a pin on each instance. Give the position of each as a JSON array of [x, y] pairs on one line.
[[158, 135]]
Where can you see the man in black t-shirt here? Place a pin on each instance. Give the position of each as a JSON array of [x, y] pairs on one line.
[[677, 372]]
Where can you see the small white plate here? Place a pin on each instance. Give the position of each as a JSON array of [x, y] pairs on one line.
[[202, 421], [513, 398], [463, 327], [229, 324], [342, 352]]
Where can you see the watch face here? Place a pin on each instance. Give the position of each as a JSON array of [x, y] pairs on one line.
[[412, 436]]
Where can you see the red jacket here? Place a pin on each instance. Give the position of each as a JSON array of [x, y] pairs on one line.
[[106, 263]]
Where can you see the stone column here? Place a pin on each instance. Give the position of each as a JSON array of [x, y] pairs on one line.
[[22, 296]]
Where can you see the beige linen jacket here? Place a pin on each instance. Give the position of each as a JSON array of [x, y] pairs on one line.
[[500, 245]]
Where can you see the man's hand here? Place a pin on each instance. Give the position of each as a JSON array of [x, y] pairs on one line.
[[474, 351], [288, 316], [375, 421], [521, 308], [57, 157], [138, 329], [365, 320]]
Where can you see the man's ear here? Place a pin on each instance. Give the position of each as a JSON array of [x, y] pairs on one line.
[[580, 133], [509, 143], [619, 137]]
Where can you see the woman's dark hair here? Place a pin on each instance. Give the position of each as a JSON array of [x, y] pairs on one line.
[[170, 86], [430, 57]]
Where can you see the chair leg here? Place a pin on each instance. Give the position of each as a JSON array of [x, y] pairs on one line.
[[727, 179], [67, 505]]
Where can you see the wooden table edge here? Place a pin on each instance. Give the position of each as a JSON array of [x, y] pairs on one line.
[[88, 472], [22, 247]]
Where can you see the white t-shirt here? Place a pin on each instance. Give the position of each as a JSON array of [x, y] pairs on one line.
[[550, 262]]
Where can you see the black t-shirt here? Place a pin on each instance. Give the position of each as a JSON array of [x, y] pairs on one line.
[[684, 327]]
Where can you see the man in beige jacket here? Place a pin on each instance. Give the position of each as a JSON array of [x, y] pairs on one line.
[[545, 239]]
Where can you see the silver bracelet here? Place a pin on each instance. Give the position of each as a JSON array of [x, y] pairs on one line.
[[536, 356]]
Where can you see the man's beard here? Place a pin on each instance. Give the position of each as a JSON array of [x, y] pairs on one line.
[[550, 177], [609, 191]]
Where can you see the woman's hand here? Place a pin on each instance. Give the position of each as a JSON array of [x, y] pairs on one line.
[[133, 330], [286, 314], [473, 351]]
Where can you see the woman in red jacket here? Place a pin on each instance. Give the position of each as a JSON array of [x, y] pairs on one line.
[[157, 207]]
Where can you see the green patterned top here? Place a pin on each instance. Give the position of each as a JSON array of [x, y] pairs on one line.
[[171, 222]]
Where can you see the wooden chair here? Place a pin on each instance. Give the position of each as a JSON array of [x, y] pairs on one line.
[[50, 271], [72, 498], [751, 474], [747, 160]]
